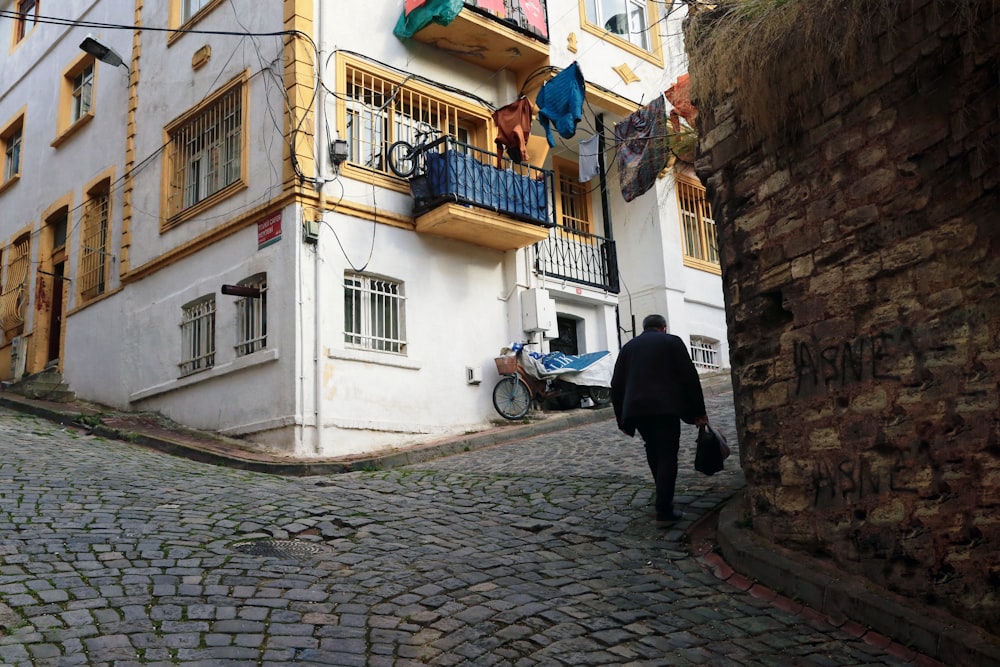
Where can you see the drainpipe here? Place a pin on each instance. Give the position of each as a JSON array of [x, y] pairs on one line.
[[605, 202], [319, 183]]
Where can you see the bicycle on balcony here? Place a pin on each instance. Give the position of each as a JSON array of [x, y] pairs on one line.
[[518, 388], [405, 158]]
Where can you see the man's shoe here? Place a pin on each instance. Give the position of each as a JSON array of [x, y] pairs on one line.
[[670, 519]]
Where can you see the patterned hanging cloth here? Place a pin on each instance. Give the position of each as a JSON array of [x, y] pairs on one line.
[[643, 144]]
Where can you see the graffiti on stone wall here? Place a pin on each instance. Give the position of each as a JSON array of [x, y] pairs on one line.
[[829, 367], [848, 481]]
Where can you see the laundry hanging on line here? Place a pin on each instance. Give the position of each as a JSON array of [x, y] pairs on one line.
[[560, 103], [513, 127], [590, 166], [642, 141]]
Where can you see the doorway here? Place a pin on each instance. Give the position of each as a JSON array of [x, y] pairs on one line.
[[568, 341]]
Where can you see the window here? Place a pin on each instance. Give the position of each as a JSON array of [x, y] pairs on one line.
[[28, 10], [76, 97], [373, 313], [13, 297], [95, 240], [251, 317], [625, 21], [206, 150], [191, 7], [10, 141], [701, 250], [705, 352], [381, 110], [572, 198], [82, 89], [198, 335]]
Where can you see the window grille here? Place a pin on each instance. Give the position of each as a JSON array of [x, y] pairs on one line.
[[697, 225], [705, 353], [573, 199], [374, 313], [12, 298], [381, 112], [83, 88], [251, 318], [94, 245], [206, 151], [198, 335], [12, 154]]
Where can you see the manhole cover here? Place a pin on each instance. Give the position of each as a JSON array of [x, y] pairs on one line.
[[294, 549]]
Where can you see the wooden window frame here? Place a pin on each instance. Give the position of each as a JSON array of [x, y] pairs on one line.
[[21, 30], [173, 193], [694, 210], [568, 173]]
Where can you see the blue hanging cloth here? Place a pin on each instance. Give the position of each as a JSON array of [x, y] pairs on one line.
[[560, 102]]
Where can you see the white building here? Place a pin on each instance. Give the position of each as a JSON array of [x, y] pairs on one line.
[[211, 229]]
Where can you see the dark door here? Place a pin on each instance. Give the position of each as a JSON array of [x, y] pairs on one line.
[[566, 343], [56, 314]]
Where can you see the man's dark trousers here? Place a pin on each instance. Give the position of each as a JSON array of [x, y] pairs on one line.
[[662, 437]]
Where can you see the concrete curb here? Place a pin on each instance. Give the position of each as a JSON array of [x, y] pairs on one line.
[[841, 596], [224, 456]]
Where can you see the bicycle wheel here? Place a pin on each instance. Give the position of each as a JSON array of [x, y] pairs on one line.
[[600, 395], [401, 158], [511, 397]]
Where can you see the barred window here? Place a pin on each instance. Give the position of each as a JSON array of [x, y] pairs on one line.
[[206, 150], [380, 111], [251, 317], [94, 243], [374, 313], [701, 248], [572, 198], [705, 352], [198, 335], [13, 298]]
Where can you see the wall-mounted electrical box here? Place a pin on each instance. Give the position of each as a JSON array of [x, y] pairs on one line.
[[538, 310], [310, 230], [473, 375]]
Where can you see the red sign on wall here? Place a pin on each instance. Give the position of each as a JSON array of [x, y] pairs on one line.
[[269, 230]]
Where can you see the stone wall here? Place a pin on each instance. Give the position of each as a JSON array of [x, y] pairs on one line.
[[861, 263]]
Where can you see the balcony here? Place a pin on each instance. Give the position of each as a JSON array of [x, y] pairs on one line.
[[585, 259], [495, 34], [461, 194]]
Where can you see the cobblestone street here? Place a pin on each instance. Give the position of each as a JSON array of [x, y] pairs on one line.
[[536, 552]]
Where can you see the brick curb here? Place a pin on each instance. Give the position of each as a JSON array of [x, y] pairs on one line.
[[804, 585]]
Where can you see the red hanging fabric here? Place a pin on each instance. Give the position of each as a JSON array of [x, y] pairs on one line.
[[535, 14], [413, 4], [492, 6]]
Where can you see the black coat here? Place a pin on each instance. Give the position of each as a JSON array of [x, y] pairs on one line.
[[654, 376]]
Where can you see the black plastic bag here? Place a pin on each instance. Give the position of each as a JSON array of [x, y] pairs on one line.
[[711, 450]]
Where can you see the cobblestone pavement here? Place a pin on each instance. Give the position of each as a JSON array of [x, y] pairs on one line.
[[537, 552]]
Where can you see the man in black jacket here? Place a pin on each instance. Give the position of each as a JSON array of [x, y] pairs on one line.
[[654, 387]]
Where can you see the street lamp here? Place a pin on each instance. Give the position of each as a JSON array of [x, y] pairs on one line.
[[103, 53]]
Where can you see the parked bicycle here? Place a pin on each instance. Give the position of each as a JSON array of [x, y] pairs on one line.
[[517, 389], [405, 158]]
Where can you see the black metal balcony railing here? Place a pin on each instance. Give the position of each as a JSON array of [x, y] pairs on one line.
[[579, 257], [452, 171], [526, 16]]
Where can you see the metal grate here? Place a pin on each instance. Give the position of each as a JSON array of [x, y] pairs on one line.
[[373, 313], [705, 352], [289, 549], [198, 335], [94, 244], [251, 317], [696, 223]]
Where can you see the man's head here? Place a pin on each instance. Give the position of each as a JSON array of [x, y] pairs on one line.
[[654, 323]]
